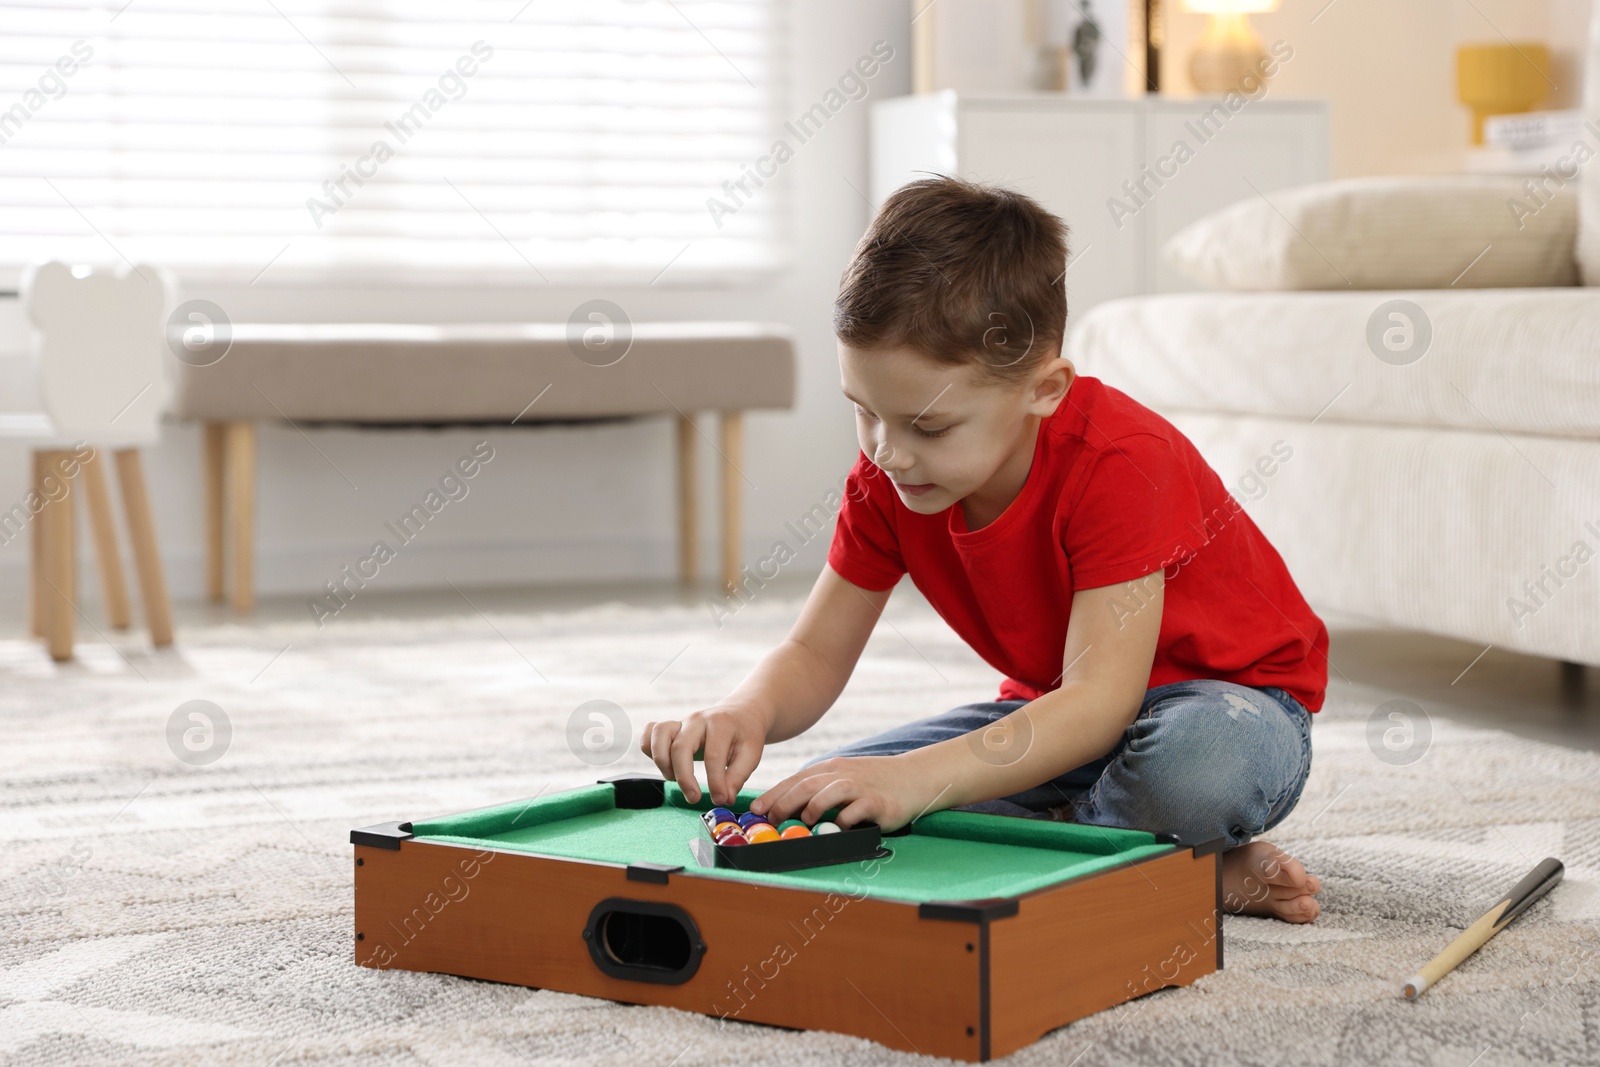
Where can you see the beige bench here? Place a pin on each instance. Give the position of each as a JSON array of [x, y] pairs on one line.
[[397, 374]]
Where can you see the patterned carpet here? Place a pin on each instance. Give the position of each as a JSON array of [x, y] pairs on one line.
[[167, 910]]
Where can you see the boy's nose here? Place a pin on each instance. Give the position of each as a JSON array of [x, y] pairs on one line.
[[889, 459]]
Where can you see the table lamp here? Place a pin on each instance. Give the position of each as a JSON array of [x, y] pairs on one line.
[[1501, 79], [1230, 48]]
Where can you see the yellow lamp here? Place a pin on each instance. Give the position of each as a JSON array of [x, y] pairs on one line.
[[1501, 79], [1230, 48]]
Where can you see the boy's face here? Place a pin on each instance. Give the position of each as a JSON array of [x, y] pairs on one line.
[[938, 432]]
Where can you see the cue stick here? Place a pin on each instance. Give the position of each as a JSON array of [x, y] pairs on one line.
[[1538, 882]]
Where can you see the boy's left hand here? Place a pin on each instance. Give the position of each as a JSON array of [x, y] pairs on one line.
[[887, 790]]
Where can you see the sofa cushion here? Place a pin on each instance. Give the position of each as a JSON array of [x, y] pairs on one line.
[[1472, 232], [1514, 361], [403, 373]]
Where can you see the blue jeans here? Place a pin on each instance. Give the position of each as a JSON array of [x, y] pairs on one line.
[[1204, 759]]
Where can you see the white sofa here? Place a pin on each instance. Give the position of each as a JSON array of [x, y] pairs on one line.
[[1439, 471]]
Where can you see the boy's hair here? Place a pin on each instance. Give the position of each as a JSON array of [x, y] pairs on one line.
[[965, 273]]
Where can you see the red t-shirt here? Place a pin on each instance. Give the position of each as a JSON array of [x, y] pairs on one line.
[[1115, 492]]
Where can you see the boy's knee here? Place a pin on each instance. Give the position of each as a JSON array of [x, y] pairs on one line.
[[1215, 765]]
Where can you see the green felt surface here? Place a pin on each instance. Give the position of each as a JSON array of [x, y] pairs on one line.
[[949, 855]]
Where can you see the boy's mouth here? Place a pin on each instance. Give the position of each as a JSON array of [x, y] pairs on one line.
[[915, 490]]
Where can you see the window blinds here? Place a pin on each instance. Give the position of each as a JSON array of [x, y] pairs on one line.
[[285, 141]]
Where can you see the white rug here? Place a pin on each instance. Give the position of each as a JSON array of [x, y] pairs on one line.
[[159, 911]]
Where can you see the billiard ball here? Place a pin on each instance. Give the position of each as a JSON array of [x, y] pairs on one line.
[[735, 838], [722, 826], [751, 817], [824, 828], [724, 830], [798, 830], [762, 834], [785, 824], [721, 815], [753, 827]]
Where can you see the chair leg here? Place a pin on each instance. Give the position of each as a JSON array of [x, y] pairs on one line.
[[36, 552], [688, 502], [104, 528], [215, 465], [240, 486], [146, 555], [57, 569], [732, 508]]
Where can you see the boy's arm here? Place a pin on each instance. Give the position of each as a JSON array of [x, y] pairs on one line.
[[1110, 646], [800, 679], [787, 691]]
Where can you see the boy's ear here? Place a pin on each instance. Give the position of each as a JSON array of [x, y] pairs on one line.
[[1056, 376]]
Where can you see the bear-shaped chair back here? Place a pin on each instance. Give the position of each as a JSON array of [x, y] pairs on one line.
[[100, 347]]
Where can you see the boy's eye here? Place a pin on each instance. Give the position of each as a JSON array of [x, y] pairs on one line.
[[925, 433]]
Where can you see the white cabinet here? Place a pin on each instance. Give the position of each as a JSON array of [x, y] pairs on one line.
[[1124, 174]]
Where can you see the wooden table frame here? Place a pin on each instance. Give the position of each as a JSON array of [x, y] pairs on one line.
[[969, 980], [230, 505]]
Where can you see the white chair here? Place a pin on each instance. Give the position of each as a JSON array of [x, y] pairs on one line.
[[100, 385]]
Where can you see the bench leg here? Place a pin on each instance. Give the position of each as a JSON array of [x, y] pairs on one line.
[[240, 492], [732, 426], [104, 527], [215, 452], [56, 565], [146, 554], [688, 502], [36, 551]]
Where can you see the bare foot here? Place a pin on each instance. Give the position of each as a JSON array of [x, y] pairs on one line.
[[1262, 879]]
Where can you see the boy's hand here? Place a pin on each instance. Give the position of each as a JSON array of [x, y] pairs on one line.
[[728, 738], [887, 790]]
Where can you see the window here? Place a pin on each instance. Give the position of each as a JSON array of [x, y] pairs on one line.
[[283, 141]]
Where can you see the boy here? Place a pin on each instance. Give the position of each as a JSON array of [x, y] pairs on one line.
[[1161, 665]]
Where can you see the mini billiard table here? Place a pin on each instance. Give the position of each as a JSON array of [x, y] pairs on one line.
[[965, 935]]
